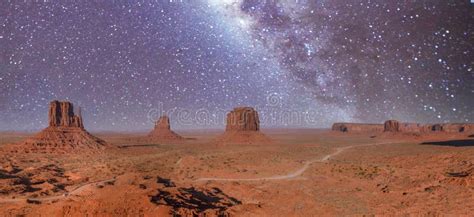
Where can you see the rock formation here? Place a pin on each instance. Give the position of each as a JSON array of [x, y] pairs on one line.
[[467, 128], [163, 132], [407, 128], [391, 126], [357, 128], [437, 128], [243, 119], [455, 128], [341, 127], [451, 128], [61, 114], [64, 134], [413, 127], [243, 127]]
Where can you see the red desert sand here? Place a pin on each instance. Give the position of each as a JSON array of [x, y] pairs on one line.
[[292, 173]]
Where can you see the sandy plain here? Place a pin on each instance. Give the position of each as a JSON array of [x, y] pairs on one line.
[[303, 172]]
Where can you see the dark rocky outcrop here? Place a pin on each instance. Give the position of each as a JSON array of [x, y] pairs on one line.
[[193, 201]]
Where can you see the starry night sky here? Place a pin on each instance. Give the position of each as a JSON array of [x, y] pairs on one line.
[[301, 63]]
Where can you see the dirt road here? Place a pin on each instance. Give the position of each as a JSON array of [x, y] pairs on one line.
[[291, 175]]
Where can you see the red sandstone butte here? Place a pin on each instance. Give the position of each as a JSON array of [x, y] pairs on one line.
[[61, 114], [243, 127], [64, 134], [162, 131], [391, 126], [243, 119]]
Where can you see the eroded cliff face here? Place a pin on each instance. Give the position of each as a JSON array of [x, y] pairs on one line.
[[243, 119], [61, 114], [391, 126], [243, 127]]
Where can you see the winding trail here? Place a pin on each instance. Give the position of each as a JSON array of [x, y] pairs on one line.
[[294, 174], [73, 192], [76, 191]]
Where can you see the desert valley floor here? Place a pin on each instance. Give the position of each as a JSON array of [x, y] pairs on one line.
[[301, 173]]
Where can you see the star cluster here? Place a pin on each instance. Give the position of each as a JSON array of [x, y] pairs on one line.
[[302, 63]]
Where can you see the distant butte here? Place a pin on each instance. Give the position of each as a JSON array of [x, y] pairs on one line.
[[243, 119], [162, 131], [243, 127], [357, 127], [65, 134], [393, 126]]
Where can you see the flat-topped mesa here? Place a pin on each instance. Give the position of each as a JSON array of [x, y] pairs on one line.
[[414, 128], [391, 126], [243, 127], [162, 131], [61, 114], [455, 128], [243, 119], [395, 126], [357, 127]]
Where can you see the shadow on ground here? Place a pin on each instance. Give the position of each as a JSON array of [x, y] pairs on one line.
[[193, 201], [453, 143]]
